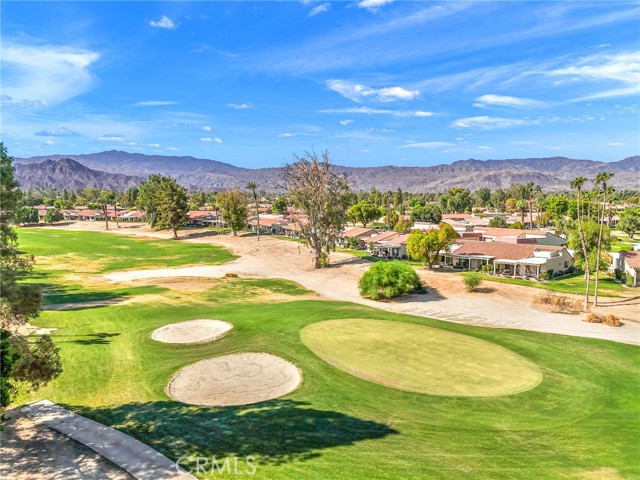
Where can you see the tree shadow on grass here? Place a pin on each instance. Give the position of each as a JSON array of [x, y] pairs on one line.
[[273, 432]]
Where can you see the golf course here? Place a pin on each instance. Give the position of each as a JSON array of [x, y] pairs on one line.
[[338, 389]]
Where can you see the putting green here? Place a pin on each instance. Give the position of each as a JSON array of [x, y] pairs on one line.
[[421, 359]]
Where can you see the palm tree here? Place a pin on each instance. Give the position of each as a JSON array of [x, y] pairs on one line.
[[601, 179], [253, 186], [577, 184]]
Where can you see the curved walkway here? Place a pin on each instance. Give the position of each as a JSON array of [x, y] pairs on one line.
[[133, 456]]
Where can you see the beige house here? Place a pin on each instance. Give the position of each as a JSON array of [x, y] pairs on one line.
[[628, 262], [508, 259]]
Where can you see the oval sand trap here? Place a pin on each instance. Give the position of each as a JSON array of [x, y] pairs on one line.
[[236, 379], [192, 331], [421, 359]]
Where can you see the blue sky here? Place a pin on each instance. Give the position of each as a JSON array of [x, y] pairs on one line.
[[374, 82]]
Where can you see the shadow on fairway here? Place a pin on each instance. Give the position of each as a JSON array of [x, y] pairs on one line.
[[274, 432]]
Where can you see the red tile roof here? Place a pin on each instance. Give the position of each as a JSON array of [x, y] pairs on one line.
[[510, 251], [357, 232], [632, 259]]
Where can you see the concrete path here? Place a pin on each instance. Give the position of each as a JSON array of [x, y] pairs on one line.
[[140, 460]]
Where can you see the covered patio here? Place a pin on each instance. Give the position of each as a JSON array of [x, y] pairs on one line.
[[526, 268]]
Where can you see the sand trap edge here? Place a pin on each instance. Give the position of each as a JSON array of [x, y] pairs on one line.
[[226, 327], [167, 388]]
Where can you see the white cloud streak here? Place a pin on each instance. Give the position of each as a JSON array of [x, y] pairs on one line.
[[359, 93], [490, 123], [507, 101], [57, 132], [154, 103], [239, 106], [378, 111], [427, 145], [45, 74], [322, 8]]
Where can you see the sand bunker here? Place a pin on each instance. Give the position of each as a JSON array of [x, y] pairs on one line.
[[236, 379], [193, 331]]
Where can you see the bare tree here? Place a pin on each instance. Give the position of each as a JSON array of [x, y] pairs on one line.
[[322, 198]]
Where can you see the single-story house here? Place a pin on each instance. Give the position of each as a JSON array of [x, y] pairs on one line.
[[269, 224], [133, 216], [204, 218], [509, 259], [361, 233], [388, 244], [516, 235], [628, 262]]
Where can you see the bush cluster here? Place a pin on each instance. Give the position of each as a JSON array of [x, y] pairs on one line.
[[609, 320], [471, 280], [388, 280]]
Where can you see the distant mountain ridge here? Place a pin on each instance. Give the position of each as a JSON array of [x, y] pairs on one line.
[[120, 170]]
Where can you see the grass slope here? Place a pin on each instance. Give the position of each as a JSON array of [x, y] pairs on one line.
[[581, 421]]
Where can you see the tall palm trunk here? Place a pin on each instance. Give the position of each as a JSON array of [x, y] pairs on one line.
[[603, 177], [583, 243]]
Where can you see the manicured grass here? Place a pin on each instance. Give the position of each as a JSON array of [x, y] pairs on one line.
[[607, 287], [102, 253], [420, 359], [581, 421]]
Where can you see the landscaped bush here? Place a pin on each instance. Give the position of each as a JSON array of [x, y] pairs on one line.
[[618, 274], [544, 276], [388, 280], [630, 281], [353, 242], [231, 275], [471, 281], [550, 272]]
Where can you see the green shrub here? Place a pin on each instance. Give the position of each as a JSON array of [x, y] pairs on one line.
[[471, 281], [544, 276], [353, 242], [550, 272], [618, 274], [388, 279], [630, 281]]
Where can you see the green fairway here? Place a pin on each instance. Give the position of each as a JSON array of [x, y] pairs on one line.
[[580, 421], [420, 359]]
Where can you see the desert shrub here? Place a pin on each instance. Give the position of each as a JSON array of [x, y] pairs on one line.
[[594, 318], [388, 280], [231, 275], [612, 321], [630, 280], [471, 281], [557, 303]]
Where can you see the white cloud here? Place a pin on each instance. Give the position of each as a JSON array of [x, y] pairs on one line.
[[49, 142], [153, 145], [207, 128], [287, 135], [484, 147], [164, 22], [57, 132], [155, 103], [622, 69], [427, 145], [373, 5], [111, 137], [524, 142], [239, 106], [345, 122], [358, 93], [172, 149], [616, 144], [378, 111], [211, 140], [322, 8], [44, 74], [489, 123], [506, 101]]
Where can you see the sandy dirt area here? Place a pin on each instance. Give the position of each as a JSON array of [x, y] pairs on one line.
[[34, 452], [192, 331], [236, 379], [495, 305]]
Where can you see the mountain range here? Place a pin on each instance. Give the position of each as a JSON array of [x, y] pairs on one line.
[[120, 170]]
